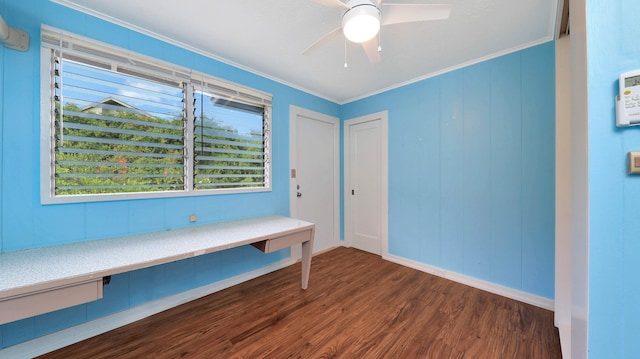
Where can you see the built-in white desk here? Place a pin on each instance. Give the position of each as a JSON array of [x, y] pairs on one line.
[[41, 280]]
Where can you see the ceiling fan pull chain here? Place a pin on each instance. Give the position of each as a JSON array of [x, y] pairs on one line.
[[379, 41], [345, 53]]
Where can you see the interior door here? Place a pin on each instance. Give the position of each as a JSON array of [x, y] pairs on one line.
[[315, 174], [366, 183]]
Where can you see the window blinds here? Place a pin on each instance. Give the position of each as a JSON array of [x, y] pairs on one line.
[[229, 148], [115, 132], [122, 122], [140, 65]]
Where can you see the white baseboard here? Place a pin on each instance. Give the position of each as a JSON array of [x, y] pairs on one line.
[[65, 337], [511, 293]]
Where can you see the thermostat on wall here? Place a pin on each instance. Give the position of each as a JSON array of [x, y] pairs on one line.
[[628, 99]]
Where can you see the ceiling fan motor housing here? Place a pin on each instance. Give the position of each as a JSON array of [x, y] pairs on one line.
[[362, 21]]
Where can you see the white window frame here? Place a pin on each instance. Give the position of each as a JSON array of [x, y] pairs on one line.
[[150, 65]]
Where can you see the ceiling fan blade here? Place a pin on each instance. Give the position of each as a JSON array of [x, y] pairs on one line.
[[401, 13], [323, 41], [332, 3], [371, 48]]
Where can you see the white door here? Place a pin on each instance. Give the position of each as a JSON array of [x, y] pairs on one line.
[[315, 174], [366, 183]]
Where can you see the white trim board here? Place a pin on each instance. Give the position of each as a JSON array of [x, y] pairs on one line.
[[510, 293], [564, 330], [65, 337]]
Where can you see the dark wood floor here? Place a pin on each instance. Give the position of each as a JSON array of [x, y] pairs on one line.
[[357, 306]]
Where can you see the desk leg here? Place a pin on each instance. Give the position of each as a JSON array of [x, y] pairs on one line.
[[306, 262]]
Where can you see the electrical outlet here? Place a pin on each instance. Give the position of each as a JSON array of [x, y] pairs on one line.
[[193, 218]]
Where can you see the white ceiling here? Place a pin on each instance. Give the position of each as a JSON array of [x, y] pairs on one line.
[[268, 37]]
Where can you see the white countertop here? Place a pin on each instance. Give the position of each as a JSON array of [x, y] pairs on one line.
[[37, 269]]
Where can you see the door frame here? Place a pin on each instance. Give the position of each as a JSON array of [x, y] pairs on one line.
[[383, 117], [294, 112]]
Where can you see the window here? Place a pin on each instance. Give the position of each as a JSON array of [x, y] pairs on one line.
[[117, 125], [115, 132], [228, 143]]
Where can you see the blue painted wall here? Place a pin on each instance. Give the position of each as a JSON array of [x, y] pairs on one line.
[[24, 223], [460, 196], [614, 196], [471, 169]]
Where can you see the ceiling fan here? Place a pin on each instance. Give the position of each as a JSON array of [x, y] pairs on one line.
[[362, 20]]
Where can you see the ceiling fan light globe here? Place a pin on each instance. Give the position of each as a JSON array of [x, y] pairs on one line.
[[361, 23]]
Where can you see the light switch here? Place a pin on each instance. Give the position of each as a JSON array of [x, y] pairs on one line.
[[634, 162]]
